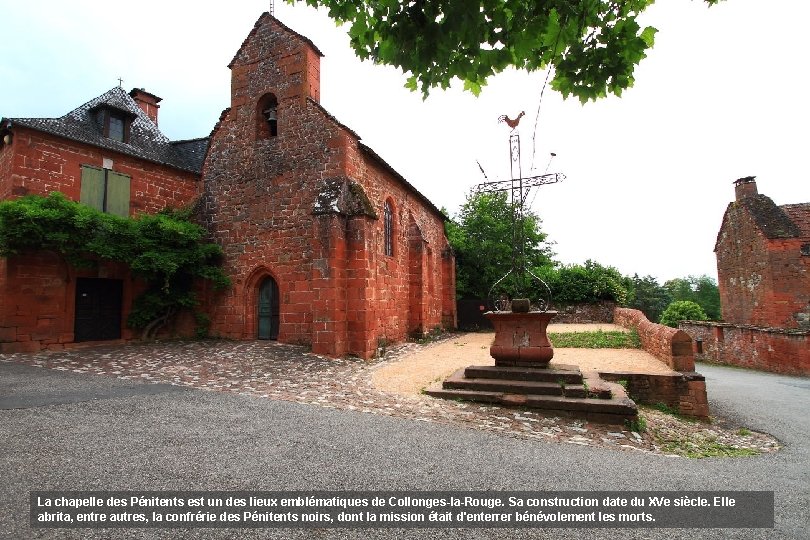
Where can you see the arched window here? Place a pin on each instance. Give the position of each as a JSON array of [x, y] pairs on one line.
[[388, 216], [267, 117]]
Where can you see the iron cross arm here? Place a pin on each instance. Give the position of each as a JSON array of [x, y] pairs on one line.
[[529, 182]]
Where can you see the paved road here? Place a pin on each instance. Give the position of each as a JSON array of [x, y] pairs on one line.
[[66, 431]]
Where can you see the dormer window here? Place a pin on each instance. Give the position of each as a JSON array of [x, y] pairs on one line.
[[114, 123]]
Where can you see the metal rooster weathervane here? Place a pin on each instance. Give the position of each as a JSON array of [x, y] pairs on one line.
[[520, 286]]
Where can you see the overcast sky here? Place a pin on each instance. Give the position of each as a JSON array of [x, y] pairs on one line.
[[724, 94]]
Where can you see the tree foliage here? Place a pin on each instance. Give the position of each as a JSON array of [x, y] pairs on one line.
[[682, 310], [166, 249], [584, 284], [594, 45], [481, 237], [648, 296], [701, 290]]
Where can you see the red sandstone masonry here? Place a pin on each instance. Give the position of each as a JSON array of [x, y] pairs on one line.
[[686, 390], [673, 347], [598, 312], [762, 281], [37, 290], [42, 164], [767, 349], [339, 291]]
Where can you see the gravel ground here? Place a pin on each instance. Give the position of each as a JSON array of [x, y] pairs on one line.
[[64, 429]]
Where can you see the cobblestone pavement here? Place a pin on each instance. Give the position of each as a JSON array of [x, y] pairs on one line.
[[271, 370]]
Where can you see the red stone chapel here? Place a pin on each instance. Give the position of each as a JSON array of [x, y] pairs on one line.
[[326, 244]]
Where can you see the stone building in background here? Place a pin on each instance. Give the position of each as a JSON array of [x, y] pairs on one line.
[[326, 244], [763, 267]]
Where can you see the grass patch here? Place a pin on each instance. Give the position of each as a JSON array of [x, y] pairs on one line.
[[699, 447], [682, 436], [595, 340], [639, 425]]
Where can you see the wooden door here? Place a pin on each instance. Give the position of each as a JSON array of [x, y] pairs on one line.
[[98, 309], [268, 309]]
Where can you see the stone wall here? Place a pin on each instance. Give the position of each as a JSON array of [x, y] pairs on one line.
[[672, 346], [768, 349], [37, 291], [600, 312], [41, 164], [683, 392]]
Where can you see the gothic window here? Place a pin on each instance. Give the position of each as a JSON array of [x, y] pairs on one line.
[[388, 216], [267, 117]]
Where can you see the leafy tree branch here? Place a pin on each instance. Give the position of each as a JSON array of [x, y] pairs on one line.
[[593, 45]]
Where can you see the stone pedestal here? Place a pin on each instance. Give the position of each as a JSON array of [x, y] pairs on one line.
[[520, 338]]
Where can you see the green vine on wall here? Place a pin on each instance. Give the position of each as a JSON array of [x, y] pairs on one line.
[[166, 249]]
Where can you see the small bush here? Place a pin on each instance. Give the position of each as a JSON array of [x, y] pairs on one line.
[[582, 284], [682, 310]]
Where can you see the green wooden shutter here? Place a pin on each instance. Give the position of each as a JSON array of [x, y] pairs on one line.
[[92, 190], [117, 194]]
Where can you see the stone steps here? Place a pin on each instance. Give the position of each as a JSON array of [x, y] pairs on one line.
[[563, 392], [461, 381], [568, 376]]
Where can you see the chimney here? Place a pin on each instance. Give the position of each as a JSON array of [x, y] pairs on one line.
[[745, 187], [147, 102]]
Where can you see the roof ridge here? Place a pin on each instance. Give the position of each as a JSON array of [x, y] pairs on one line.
[[258, 23], [195, 139]]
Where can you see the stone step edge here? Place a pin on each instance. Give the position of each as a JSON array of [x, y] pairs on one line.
[[590, 387], [619, 404], [570, 376], [595, 410]]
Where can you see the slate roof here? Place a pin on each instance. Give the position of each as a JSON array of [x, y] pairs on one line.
[[771, 219], [145, 142], [799, 214], [775, 222]]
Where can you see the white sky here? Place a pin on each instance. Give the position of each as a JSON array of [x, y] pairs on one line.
[[723, 94]]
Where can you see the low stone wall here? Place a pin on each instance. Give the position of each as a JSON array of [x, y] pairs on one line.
[[471, 314], [684, 392], [768, 349], [600, 312], [672, 346]]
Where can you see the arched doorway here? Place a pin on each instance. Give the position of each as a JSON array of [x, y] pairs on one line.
[[268, 309]]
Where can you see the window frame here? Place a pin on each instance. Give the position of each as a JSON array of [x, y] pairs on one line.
[[105, 115], [388, 228]]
